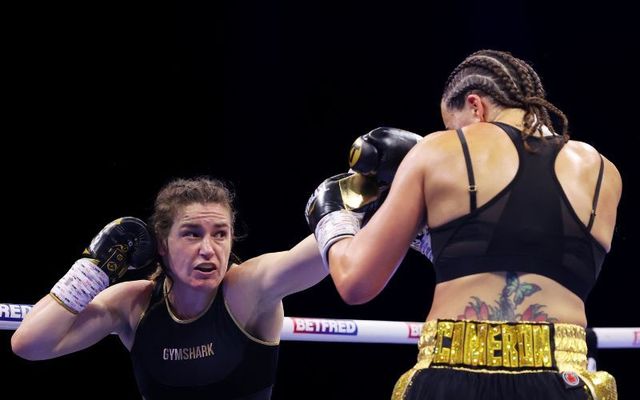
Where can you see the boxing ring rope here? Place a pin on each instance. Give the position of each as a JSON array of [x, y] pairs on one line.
[[355, 330]]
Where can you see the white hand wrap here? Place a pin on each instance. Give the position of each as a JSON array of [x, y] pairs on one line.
[[335, 226], [80, 285]]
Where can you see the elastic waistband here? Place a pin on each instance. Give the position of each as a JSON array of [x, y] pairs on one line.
[[502, 346], [507, 348]]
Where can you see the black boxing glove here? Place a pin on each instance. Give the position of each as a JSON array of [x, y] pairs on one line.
[[379, 152], [123, 244], [337, 207]]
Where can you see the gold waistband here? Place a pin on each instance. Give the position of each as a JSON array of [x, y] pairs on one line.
[[502, 345], [506, 347]]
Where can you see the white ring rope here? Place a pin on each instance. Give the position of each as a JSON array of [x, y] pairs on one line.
[[355, 330]]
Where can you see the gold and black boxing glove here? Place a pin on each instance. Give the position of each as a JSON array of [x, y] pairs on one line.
[[123, 244], [336, 208], [378, 155], [379, 152]]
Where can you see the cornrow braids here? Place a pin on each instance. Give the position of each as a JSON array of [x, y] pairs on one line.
[[510, 82], [478, 83]]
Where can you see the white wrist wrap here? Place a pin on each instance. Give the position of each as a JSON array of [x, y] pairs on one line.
[[333, 227], [80, 285]]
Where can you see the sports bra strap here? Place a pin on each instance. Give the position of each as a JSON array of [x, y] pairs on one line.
[[596, 195], [467, 159]]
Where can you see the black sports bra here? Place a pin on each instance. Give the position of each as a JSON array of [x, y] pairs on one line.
[[529, 226]]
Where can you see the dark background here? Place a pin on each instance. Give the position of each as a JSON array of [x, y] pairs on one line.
[[105, 102]]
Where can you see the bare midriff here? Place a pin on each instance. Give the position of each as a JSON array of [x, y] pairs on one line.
[[507, 296]]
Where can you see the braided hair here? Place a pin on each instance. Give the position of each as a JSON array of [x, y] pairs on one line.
[[509, 82]]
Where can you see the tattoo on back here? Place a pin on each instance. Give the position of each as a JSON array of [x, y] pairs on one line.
[[506, 307]]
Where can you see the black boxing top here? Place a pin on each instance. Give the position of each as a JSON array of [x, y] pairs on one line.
[[529, 226], [208, 358]]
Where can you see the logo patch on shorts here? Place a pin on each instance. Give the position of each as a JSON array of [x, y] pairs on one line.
[[571, 379]]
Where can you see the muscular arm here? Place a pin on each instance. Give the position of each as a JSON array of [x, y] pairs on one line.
[[277, 275], [50, 330], [81, 309], [361, 266], [254, 290]]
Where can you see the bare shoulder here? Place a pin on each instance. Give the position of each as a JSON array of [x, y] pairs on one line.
[[583, 150], [124, 296], [127, 301], [591, 156], [239, 277], [245, 276], [437, 138], [438, 144], [243, 291], [237, 271], [448, 139], [253, 265], [430, 156], [130, 288]]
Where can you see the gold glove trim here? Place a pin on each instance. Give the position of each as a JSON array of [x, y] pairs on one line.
[[358, 190]]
